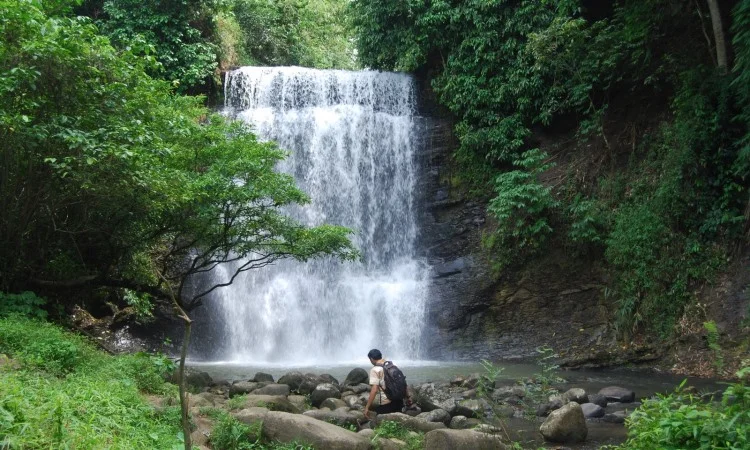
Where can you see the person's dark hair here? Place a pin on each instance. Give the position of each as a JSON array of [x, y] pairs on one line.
[[375, 354]]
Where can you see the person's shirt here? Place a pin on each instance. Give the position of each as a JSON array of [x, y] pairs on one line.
[[377, 378]]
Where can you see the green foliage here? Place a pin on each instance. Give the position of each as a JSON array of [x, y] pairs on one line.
[[175, 32], [230, 434], [121, 178], [237, 402], [522, 208], [25, 304], [681, 421], [309, 33], [390, 429], [712, 336], [97, 404], [141, 303], [666, 217]]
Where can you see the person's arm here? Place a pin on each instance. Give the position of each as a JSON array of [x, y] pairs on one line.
[[373, 393]]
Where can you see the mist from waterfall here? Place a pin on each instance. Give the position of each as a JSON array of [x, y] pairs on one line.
[[351, 143]]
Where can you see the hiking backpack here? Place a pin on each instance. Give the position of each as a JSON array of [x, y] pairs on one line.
[[395, 381]]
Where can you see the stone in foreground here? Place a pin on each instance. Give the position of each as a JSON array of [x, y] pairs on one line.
[[445, 439], [565, 425], [286, 427]]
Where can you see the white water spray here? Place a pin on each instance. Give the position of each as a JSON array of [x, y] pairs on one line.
[[351, 143]]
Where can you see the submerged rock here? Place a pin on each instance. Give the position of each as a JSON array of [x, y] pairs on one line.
[[617, 394]]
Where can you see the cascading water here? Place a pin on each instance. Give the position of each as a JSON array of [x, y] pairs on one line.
[[351, 143]]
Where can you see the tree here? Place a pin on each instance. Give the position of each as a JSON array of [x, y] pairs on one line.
[[110, 180]]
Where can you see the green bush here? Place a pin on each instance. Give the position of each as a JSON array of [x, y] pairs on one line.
[[69, 395], [389, 429], [682, 421], [25, 304]]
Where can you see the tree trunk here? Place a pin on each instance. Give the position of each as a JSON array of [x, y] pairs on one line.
[[722, 60], [184, 401]]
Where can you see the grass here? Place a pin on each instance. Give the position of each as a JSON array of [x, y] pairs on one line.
[[388, 429], [67, 394]]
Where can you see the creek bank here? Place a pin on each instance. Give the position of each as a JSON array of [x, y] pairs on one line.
[[468, 410]]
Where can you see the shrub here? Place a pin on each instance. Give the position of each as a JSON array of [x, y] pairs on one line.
[[682, 421], [26, 304]]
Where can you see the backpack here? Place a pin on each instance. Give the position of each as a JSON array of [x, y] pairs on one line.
[[395, 381]]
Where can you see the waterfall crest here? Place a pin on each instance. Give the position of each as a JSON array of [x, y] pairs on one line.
[[351, 143]]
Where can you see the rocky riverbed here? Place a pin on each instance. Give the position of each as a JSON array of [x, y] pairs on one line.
[[467, 411]]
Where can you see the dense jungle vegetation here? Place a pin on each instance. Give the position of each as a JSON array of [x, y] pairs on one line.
[[617, 129]]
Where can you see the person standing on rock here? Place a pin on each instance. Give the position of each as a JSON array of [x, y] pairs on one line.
[[377, 381]]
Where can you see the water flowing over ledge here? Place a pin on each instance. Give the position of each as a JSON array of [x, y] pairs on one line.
[[351, 141]]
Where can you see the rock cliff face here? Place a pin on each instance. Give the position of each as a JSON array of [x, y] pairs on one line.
[[473, 313]]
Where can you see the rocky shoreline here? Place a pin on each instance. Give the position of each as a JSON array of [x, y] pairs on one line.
[[468, 411]]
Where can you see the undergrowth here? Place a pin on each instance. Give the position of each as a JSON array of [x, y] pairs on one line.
[[66, 394], [390, 429]]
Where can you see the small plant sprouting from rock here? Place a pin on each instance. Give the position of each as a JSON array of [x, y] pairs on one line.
[[713, 343]]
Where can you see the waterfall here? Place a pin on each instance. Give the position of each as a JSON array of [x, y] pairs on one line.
[[351, 142]]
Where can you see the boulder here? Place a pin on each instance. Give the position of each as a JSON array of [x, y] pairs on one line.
[[263, 377], [356, 401], [325, 378], [322, 392], [272, 402], [357, 376], [286, 427], [615, 417], [203, 426], [367, 432], [273, 389], [411, 423], [471, 408], [204, 399], [299, 401], [598, 399], [333, 403], [243, 387], [197, 379], [339, 417], [430, 396], [458, 423], [565, 425], [359, 388], [249, 416], [592, 410], [293, 379], [472, 381], [436, 415], [508, 394], [617, 394], [577, 395], [462, 439]]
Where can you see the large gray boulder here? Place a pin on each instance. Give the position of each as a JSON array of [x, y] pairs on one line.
[[436, 415], [431, 396], [273, 389], [565, 425], [471, 408], [293, 380], [462, 439], [299, 401], [617, 394], [243, 387], [592, 410], [204, 399], [322, 392], [359, 388], [357, 376], [262, 377], [411, 423], [272, 402], [339, 417], [285, 427], [249, 416], [598, 399], [333, 403], [577, 395]]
